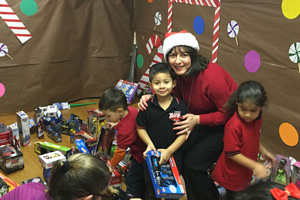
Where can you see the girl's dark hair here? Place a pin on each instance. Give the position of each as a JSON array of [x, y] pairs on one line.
[[85, 174], [252, 91], [198, 62], [113, 99], [260, 191], [161, 68]]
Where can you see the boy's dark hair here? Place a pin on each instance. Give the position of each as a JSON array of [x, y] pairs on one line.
[[161, 68], [198, 62], [112, 99], [252, 91], [260, 191]]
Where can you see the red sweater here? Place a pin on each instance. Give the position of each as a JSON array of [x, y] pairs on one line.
[[205, 94]]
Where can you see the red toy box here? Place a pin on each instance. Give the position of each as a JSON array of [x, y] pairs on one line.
[[5, 135]]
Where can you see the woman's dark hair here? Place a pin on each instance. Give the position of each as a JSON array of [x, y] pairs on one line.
[[252, 91], [198, 62], [81, 175], [260, 191]]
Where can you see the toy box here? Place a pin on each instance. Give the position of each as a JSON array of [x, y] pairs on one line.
[[116, 178], [129, 89], [34, 180], [104, 143], [165, 178], [10, 159], [281, 173], [23, 125], [296, 174], [48, 159], [46, 147], [89, 140], [81, 146], [15, 134], [95, 121], [6, 136], [6, 185], [54, 132]]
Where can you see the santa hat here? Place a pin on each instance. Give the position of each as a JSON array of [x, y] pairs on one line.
[[179, 38]]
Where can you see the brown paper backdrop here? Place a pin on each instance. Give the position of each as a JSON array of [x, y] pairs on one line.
[[77, 50], [263, 28]]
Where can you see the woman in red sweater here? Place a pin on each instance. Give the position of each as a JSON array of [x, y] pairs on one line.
[[204, 87]]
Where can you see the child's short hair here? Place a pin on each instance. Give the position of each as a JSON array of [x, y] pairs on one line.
[[113, 99], [161, 68], [260, 191]]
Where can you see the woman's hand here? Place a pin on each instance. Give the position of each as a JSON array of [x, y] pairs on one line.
[[187, 125], [143, 102]]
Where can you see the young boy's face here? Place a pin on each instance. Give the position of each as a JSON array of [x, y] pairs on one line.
[[111, 116], [162, 84]]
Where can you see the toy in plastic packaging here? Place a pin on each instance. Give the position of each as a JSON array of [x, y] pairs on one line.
[[296, 174], [281, 172]]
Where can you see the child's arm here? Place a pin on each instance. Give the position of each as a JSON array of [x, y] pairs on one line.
[[259, 170], [166, 153], [266, 154], [117, 157], [146, 139]]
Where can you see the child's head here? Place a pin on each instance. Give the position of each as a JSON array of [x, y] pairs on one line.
[[261, 191], [162, 79], [83, 175], [248, 100], [113, 103]]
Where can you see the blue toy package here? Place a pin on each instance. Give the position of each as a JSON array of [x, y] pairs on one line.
[[81, 146], [165, 178], [129, 89]]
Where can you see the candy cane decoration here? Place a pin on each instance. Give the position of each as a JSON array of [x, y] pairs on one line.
[[154, 41], [13, 22], [211, 3]]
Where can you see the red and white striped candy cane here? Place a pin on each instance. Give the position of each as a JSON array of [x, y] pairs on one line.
[[211, 3], [154, 41], [13, 22]]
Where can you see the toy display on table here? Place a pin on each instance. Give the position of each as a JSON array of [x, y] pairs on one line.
[[23, 126], [6, 185], [129, 89], [296, 174], [6, 135], [47, 147], [281, 173], [11, 159], [47, 161], [95, 121], [15, 134], [165, 178], [51, 114]]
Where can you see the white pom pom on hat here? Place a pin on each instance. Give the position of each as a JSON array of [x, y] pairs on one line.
[[182, 38]]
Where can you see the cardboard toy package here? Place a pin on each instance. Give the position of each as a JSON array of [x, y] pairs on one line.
[[47, 147], [5, 135], [6, 185], [95, 121], [23, 125], [281, 172], [165, 178], [116, 178], [48, 159], [296, 174], [11, 159], [128, 88]]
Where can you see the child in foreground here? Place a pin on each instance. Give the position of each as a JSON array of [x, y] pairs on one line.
[[155, 125], [121, 117], [238, 161]]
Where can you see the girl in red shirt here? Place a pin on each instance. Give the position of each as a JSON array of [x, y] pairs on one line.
[[238, 161]]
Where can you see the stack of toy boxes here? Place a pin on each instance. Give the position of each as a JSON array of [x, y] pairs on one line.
[[11, 159], [116, 178], [165, 178], [23, 125], [95, 121], [15, 135], [5, 135]]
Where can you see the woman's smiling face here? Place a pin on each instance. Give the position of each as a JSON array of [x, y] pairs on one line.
[[180, 61]]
